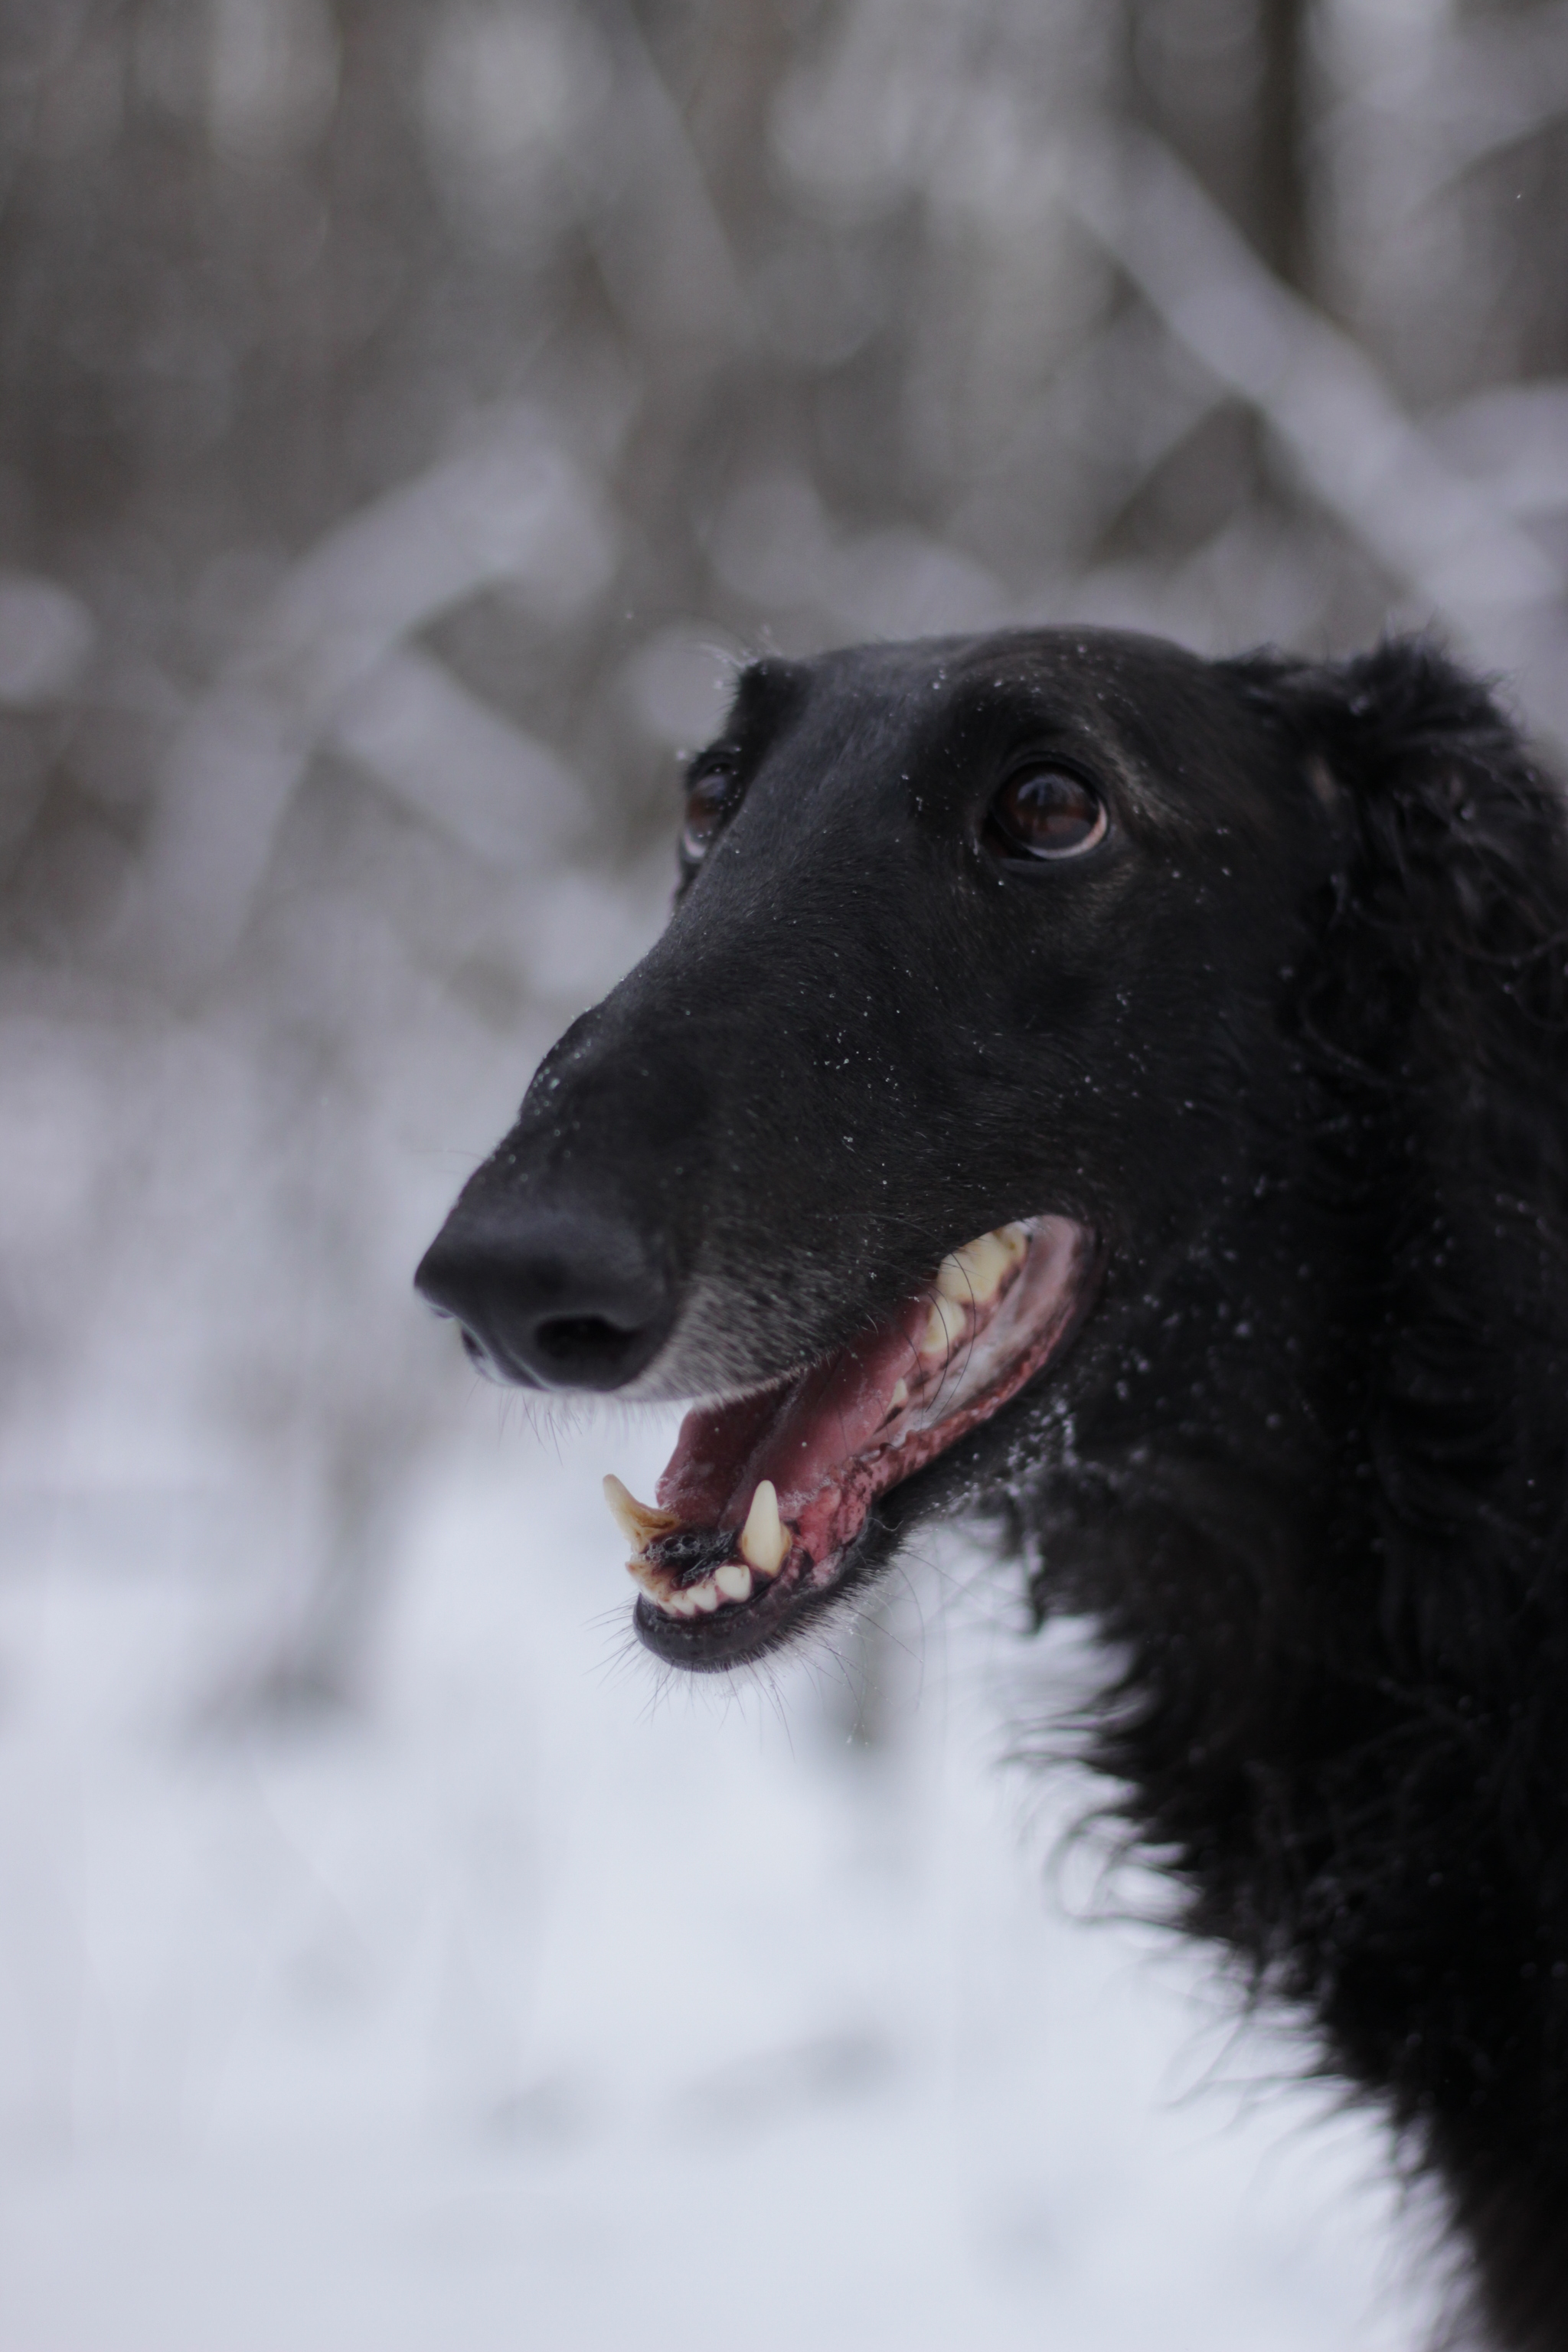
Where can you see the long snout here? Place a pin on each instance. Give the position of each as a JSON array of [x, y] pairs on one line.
[[562, 1257], [655, 1220]]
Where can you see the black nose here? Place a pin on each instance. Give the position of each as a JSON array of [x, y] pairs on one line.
[[553, 1300]]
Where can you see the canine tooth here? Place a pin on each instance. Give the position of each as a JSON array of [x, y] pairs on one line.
[[733, 1581], [640, 1523], [934, 1339], [992, 1263], [953, 1278], [653, 1581], [901, 1395], [976, 1272], [765, 1538]]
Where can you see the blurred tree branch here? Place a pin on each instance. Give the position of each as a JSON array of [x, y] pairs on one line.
[[1331, 410]]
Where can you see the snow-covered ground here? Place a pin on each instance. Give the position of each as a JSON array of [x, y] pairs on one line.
[[538, 2004]]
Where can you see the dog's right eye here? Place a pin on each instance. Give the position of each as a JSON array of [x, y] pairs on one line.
[[1043, 812], [710, 798]]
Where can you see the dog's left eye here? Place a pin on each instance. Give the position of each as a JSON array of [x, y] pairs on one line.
[[710, 798], [1046, 812]]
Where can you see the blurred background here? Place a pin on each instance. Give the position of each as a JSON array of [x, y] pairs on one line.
[[410, 412]]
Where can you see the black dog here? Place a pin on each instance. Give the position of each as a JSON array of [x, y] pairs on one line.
[[1225, 1004]]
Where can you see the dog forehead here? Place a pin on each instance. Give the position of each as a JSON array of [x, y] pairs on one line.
[[891, 722], [917, 689], [895, 700], [846, 731]]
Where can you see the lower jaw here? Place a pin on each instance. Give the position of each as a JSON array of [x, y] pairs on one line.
[[785, 1611], [787, 1607]]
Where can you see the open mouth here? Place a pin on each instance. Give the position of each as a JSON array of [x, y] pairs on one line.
[[763, 1507]]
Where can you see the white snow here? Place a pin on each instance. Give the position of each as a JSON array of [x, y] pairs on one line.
[[538, 2003]]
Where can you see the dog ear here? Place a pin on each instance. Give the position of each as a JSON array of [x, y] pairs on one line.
[[1444, 915]]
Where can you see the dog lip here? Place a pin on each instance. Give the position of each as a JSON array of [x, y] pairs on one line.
[[742, 1632], [860, 1430], [778, 1609]]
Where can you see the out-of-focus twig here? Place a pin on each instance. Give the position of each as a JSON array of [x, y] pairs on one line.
[[1474, 89], [454, 761], [1457, 549], [655, 233], [1514, 437], [513, 509]]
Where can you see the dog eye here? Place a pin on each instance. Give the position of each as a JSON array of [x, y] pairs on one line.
[[1044, 812], [710, 798]]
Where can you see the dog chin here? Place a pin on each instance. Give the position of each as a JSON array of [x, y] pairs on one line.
[[767, 1511]]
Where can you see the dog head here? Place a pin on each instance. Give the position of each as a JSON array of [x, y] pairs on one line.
[[966, 1030]]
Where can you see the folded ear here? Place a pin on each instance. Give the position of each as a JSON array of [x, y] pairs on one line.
[[1445, 922]]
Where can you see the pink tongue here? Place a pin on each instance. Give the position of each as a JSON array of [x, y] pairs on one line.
[[805, 1436]]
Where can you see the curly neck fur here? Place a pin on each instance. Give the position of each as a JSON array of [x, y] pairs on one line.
[[1323, 1512]]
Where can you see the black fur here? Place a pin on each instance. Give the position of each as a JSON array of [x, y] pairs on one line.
[[1293, 1041]]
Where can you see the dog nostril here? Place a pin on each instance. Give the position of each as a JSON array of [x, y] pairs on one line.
[[575, 1339], [553, 1298]]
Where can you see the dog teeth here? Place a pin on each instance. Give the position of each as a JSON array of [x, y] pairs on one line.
[[900, 1397], [730, 1582], [640, 1523], [973, 1274], [765, 1538], [765, 1547], [654, 1580], [954, 1279], [934, 1339]]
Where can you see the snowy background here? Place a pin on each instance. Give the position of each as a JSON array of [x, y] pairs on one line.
[[530, 2005], [409, 412]]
